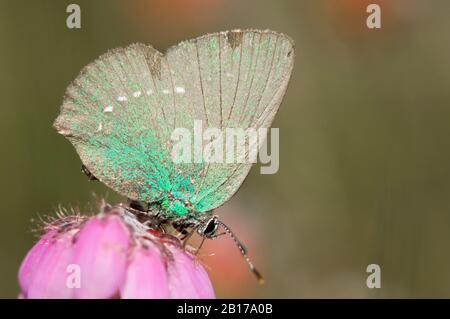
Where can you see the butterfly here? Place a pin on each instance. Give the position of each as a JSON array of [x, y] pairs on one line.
[[121, 110]]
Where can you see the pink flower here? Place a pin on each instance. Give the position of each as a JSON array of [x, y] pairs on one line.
[[110, 255]]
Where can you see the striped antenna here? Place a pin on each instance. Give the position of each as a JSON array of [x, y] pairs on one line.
[[243, 251]]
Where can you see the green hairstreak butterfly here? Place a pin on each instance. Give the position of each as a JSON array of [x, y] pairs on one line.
[[121, 110]]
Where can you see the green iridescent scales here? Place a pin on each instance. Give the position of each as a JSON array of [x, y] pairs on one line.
[[120, 112]]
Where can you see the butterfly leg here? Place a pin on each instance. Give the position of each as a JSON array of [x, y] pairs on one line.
[[204, 238], [200, 246], [88, 173], [186, 237]]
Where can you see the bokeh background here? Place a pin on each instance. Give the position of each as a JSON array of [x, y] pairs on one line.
[[364, 129]]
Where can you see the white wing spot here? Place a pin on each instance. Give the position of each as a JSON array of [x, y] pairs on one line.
[[100, 127], [149, 92], [180, 89], [137, 94], [229, 75], [165, 91], [121, 98], [108, 109]]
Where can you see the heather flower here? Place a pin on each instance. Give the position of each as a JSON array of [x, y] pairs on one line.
[[110, 255]]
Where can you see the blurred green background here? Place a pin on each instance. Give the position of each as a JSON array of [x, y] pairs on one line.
[[364, 130]]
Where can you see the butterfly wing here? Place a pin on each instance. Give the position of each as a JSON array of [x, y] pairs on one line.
[[120, 112]]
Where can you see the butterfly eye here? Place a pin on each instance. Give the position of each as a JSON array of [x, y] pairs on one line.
[[210, 228]]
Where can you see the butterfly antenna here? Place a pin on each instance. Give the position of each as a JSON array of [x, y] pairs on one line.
[[243, 251]]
